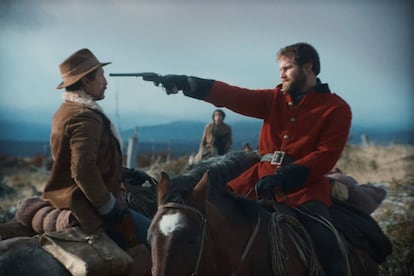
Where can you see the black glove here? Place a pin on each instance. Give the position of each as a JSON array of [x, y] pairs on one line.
[[175, 83], [287, 179], [116, 215], [266, 186], [191, 86]]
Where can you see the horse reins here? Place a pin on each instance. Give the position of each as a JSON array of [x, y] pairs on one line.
[[174, 205]]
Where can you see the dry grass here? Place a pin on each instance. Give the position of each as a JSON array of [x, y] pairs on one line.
[[379, 164], [388, 166]]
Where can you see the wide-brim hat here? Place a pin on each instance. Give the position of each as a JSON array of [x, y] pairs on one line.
[[77, 66]]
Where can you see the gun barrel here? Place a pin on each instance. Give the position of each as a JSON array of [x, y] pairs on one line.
[[125, 74]]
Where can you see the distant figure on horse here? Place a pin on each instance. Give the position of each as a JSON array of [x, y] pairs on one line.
[[216, 139], [305, 129]]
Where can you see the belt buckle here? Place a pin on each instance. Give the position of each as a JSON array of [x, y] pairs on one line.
[[277, 158]]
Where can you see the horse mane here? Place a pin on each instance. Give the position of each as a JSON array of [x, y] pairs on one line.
[[221, 170]]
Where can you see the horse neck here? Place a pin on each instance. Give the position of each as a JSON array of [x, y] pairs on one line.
[[227, 240]]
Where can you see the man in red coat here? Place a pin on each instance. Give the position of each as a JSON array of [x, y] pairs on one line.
[[305, 128]]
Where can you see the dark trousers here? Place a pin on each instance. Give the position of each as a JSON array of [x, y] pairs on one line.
[[141, 225], [324, 240]]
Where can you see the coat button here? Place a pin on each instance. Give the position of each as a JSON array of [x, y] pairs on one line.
[[293, 119], [290, 103], [285, 136]]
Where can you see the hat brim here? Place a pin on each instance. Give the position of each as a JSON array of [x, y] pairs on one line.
[[74, 79]]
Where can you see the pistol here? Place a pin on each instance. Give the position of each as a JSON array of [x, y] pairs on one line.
[[146, 76]]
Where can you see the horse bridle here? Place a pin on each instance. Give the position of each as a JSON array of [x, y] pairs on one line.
[[174, 205]]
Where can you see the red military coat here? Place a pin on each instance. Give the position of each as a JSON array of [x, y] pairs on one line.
[[313, 133]]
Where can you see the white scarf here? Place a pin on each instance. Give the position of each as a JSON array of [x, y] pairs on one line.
[[81, 97]]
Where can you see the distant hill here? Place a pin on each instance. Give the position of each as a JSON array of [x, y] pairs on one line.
[[22, 138], [187, 131], [24, 131]]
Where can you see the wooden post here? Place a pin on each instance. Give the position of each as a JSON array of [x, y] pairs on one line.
[[132, 151]]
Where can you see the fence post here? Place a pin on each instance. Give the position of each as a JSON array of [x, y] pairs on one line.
[[45, 159], [132, 150], [365, 140]]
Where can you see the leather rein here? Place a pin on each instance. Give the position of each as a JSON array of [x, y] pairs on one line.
[[203, 218]]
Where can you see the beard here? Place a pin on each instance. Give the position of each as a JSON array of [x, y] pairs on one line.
[[101, 95], [296, 83]]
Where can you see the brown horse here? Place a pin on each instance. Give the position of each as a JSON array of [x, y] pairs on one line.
[[196, 232]]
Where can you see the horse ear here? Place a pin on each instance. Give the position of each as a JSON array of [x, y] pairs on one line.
[[200, 191], [162, 187]]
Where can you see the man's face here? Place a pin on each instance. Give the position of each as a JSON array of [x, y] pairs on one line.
[[218, 118], [97, 87], [293, 76]]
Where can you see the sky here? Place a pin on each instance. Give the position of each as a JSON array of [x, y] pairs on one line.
[[365, 49]]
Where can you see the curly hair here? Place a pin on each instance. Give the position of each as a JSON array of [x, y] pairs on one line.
[[302, 53]]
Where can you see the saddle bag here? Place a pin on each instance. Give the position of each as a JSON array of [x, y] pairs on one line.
[[86, 254], [361, 230]]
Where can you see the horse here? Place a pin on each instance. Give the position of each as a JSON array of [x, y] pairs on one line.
[[207, 230], [20, 247]]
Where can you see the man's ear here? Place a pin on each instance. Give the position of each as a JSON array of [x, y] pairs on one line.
[[308, 67], [85, 81]]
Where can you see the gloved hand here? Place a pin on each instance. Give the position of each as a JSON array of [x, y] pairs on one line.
[[175, 83], [116, 215], [267, 185], [191, 86]]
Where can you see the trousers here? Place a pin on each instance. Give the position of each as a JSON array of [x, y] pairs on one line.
[[324, 240], [141, 225]]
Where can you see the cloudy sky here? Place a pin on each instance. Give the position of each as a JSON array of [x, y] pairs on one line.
[[365, 49]]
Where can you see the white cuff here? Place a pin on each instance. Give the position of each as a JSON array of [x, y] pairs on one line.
[[108, 206]]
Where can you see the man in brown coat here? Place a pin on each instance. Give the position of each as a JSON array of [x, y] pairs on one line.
[[86, 176]]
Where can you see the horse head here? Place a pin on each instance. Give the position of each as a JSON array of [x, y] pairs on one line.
[[178, 230]]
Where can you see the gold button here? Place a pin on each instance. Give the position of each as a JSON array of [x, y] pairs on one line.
[[285, 136], [290, 103], [293, 119]]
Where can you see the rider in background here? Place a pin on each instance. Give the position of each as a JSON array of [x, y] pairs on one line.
[[305, 129], [217, 137]]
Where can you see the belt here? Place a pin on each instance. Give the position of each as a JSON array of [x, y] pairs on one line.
[[277, 158]]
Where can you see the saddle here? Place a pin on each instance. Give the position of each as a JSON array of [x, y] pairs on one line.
[[86, 254]]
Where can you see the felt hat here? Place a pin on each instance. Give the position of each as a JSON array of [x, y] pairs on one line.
[[77, 66]]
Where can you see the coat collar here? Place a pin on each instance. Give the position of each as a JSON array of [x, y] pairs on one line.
[[81, 97]]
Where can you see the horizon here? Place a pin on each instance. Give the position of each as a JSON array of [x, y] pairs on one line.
[[23, 130]]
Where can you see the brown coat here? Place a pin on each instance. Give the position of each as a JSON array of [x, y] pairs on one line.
[[87, 163]]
